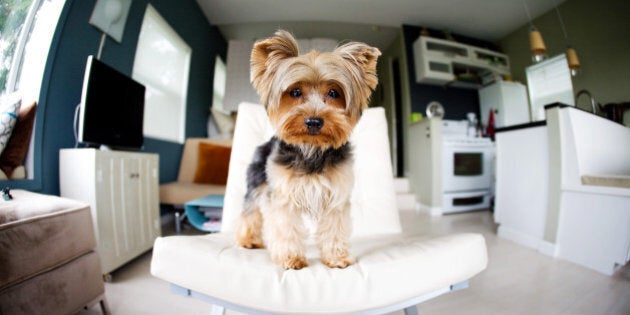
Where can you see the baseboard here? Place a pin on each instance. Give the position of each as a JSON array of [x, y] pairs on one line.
[[542, 246], [518, 237], [547, 248], [433, 211]]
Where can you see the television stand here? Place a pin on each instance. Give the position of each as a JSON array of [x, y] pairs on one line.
[[122, 189], [105, 147]]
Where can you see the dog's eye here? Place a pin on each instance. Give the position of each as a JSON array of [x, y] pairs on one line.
[[333, 93], [295, 93]]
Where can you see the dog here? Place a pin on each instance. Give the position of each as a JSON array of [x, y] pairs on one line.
[[313, 101]]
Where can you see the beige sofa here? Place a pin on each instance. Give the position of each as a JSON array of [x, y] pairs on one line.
[[47, 256], [185, 189]]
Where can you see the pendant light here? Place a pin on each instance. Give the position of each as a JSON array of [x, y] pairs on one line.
[[536, 43], [572, 58]]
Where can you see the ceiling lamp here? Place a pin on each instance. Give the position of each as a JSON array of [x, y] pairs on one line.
[[536, 43], [572, 58]]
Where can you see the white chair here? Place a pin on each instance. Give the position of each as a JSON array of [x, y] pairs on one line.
[[394, 271]]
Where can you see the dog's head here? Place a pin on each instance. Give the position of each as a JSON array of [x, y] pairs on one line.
[[315, 98]]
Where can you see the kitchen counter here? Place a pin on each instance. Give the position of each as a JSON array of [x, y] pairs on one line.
[[522, 171], [563, 187], [521, 126]]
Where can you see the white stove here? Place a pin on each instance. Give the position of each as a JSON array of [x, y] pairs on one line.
[[467, 141], [467, 161]]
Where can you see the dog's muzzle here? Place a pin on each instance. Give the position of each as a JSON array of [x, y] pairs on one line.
[[313, 125]]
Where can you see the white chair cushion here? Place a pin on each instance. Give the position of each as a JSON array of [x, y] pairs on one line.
[[390, 270], [373, 200]]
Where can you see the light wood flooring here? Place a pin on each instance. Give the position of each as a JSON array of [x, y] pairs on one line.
[[518, 280]]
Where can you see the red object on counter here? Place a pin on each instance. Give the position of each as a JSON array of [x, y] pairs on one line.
[[490, 127]]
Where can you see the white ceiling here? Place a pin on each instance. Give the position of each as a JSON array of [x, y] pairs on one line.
[[373, 21]]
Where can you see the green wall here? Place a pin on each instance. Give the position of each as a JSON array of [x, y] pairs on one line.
[[75, 39], [600, 33]]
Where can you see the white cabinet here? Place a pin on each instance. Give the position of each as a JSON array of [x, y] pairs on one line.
[[522, 185], [439, 61], [122, 190], [425, 168]]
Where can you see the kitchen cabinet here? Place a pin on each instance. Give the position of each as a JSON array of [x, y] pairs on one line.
[[441, 62], [521, 192]]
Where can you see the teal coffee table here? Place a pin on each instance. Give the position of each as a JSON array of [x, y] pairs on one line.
[[205, 213]]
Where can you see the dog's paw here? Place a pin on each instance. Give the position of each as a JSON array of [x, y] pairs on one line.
[[250, 242], [296, 263], [339, 262]]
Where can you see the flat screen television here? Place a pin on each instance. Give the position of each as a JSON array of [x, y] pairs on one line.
[[111, 112]]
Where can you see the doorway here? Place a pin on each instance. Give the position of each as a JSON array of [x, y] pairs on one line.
[[398, 118]]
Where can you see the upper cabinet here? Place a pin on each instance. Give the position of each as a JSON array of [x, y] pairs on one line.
[[444, 62]]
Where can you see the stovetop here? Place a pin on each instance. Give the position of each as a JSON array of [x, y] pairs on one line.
[[456, 132]]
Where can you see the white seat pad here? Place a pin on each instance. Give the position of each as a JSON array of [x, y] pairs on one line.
[[389, 270]]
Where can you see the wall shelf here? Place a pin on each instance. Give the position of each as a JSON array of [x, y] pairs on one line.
[[443, 62]]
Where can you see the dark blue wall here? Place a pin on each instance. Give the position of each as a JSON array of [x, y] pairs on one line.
[[457, 102], [75, 39]]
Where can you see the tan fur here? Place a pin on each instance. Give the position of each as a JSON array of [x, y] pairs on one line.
[[276, 218], [334, 134], [249, 230], [322, 197]]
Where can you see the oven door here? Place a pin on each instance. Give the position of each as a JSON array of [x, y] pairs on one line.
[[465, 201], [466, 166]]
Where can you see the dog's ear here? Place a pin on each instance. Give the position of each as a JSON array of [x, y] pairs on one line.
[[267, 54], [364, 57]]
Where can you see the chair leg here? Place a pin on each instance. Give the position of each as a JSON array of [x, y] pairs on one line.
[[179, 218], [411, 310], [218, 310], [104, 306]]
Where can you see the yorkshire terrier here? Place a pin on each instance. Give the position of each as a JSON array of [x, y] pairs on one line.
[[313, 101]]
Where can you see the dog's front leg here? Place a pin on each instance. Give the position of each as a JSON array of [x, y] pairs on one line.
[[285, 234], [333, 234]]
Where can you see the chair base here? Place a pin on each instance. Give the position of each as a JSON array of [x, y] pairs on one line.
[[409, 306]]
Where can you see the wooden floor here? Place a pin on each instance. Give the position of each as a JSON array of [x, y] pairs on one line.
[[518, 280]]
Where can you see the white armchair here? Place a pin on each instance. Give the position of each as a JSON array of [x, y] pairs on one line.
[[393, 271]]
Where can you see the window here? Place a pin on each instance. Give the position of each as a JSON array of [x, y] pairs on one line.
[[218, 93], [162, 64], [221, 121], [27, 28], [26, 31]]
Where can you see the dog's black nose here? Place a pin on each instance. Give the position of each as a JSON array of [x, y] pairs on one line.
[[313, 124]]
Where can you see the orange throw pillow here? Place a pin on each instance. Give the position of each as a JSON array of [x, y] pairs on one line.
[[212, 164]]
